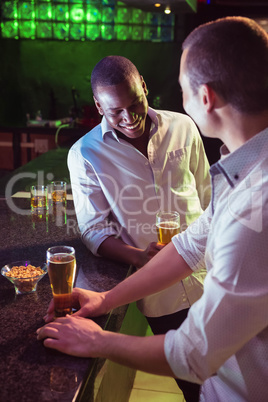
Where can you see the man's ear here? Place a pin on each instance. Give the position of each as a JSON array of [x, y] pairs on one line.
[[98, 106], [144, 86], [208, 97]]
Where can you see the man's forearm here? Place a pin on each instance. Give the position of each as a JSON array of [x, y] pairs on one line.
[[163, 270], [115, 249], [84, 338], [141, 353]]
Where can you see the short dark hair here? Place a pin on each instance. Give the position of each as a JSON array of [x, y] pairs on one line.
[[231, 55], [112, 70]]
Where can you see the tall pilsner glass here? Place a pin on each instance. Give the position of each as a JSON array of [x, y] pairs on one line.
[[61, 264], [167, 225]]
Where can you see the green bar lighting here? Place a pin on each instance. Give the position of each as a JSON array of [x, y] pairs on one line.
[[90, 20]]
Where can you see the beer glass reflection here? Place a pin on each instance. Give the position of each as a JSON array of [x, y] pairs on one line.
[[167, 225], [61, 264]]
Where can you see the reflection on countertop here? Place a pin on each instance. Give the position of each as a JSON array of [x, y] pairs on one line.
[[28, 371]]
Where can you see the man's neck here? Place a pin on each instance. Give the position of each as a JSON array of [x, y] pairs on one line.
[[242, 128], [140, 143]]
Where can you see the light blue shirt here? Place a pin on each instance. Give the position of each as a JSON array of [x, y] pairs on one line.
[[118, 191], [224, 341]]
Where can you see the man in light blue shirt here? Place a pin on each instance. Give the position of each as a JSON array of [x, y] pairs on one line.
[[223, 343], [136, 162]]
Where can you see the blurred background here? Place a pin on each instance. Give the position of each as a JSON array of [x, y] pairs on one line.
[[48, 49]]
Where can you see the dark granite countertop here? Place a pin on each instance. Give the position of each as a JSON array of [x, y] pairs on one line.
[[28, 371]]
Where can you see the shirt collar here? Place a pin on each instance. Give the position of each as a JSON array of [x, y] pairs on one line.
[[238, 164]]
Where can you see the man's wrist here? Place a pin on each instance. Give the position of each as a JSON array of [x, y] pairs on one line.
[[137, 257]]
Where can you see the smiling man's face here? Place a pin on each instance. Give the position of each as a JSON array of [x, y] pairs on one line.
[[125, 106]]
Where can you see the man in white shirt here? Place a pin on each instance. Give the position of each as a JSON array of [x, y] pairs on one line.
[[223, 343], [136, 162]]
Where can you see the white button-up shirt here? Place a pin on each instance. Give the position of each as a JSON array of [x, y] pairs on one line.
[[224, 341], [118, 191]]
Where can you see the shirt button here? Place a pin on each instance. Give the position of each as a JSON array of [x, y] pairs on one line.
[[146, 163]]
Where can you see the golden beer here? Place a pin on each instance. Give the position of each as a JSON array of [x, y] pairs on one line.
[[167, 225], [166, 230], [61, 271]]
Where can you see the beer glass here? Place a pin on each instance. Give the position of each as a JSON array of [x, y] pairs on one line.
[[167, 225], [61, 264], [58, 191], [39, 197]]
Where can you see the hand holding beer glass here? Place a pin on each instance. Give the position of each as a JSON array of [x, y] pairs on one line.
[[61, 264], [167, 225]]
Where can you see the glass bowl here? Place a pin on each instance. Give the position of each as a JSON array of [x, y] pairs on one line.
[[24, 282]]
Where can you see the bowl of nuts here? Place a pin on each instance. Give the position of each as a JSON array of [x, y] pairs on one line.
[[24, 275]]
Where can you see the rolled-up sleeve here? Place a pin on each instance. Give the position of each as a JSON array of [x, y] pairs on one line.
[[191, 244], [233, 293], [91, 207]]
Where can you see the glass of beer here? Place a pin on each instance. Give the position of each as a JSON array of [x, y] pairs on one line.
[[61, 264], [167, 225], [39, 197], [58, 192]]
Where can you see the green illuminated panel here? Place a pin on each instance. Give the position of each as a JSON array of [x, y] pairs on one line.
[[44, 30], [108, 2], [151, 33], [61, 31], [9, 29], [138, 16], [9, 9], [26, 10], [123, 16], [76, 13], [27, 29], [82, 20], [137, 32], [93, 32], [123, 32], [108, 15], [152, 19], [44, 11], [61, 12], [107, 32], [93, 14], [77, 31]]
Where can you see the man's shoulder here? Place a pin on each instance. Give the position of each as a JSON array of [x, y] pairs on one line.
[[173, 115], [89, 140], [177, 122]]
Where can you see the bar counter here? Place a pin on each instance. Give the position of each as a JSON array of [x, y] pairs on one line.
[[29, 372]]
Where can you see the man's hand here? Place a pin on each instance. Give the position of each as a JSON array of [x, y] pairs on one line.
[[115, 249], [82, 337], [73, 335], [151, 250], [87, 302]]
